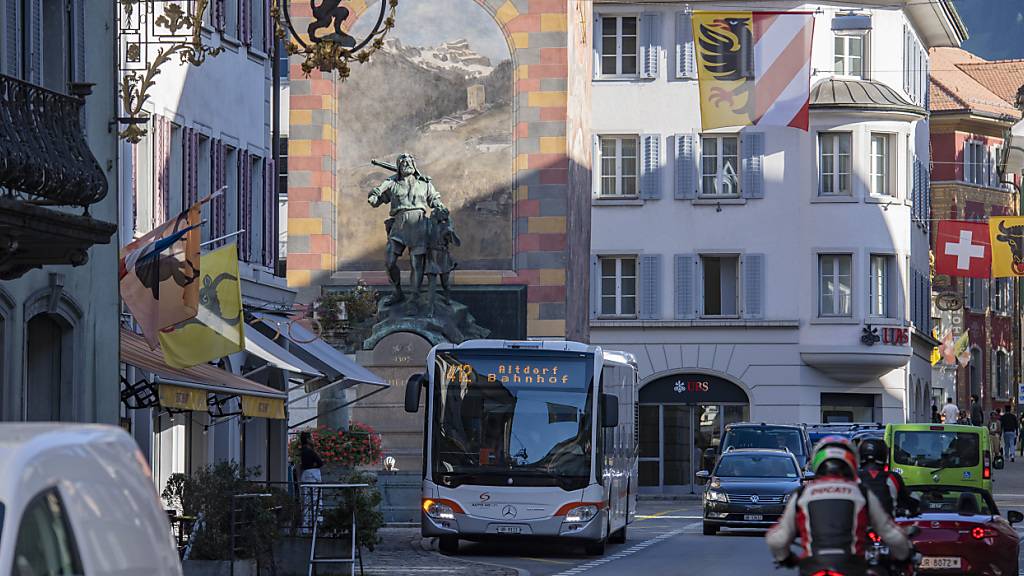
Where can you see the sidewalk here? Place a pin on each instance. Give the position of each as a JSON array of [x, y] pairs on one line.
[[404, 551]]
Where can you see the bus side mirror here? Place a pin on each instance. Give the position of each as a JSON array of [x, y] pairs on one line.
[[609, 410], [412, 392]]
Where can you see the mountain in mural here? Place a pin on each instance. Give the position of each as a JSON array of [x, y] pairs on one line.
[[454, 56]]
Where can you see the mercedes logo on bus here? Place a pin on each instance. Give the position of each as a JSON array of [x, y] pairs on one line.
[[509, 511]]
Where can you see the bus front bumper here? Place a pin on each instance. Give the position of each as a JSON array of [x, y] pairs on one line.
[[469, 527]]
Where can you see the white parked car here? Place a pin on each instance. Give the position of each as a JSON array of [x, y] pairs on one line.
[[78, 499]]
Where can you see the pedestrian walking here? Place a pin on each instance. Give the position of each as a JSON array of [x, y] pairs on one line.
[[936, 417], [1010, 426], [950, 412], [963, 419], [311, 463], [994, 431], [977, 413]]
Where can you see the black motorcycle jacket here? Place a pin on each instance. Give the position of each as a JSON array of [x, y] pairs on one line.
[[831, 516], [886, 486]]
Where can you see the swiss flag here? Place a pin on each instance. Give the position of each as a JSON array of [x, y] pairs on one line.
[[963, 249]]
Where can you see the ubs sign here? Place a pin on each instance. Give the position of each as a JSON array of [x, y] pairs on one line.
[[691, 389]]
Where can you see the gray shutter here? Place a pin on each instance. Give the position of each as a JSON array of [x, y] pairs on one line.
[[78, 19], [650, 286], [35, 71], [915, 194], [752, 166], [650, 44], [686, 57], [685, 286], [595, 286], [926, 184], [596, 40], [595, 165], [650, 166], [11, 40], [686, 166], [753, 286]]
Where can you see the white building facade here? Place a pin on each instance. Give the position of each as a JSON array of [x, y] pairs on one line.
[[748, 268]]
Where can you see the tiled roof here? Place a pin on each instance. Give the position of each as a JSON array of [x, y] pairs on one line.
[[859, 95], [961, 81]]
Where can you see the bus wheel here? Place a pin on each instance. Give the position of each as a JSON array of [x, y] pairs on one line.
[[618, 537], [448, 545], [596, 548]]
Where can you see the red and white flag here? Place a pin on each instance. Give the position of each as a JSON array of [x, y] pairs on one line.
[[754, 67], [963, 249]]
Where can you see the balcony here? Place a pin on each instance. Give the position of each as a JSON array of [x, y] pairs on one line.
[[47, 173]]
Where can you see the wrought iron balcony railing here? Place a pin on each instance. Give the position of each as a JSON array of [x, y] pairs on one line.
[[44, 156]]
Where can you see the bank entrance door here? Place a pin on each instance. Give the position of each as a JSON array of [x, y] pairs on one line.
[[675, 433]]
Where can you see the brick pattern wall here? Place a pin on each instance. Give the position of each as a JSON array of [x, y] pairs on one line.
[[536, 32]]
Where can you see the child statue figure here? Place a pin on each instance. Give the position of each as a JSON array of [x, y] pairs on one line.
[[441, 234]]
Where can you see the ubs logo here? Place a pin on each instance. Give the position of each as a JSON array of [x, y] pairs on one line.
[[509, 511], [484, 497]]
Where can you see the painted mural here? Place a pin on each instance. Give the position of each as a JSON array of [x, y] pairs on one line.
[[441, 89]]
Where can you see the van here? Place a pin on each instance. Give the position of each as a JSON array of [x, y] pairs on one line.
[[79, 499], [940, 454]]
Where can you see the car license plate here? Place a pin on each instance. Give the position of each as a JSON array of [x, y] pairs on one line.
[[753, 517], [508, 529], [940, 563]]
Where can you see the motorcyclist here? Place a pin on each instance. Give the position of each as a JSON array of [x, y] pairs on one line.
[[886, 485], [831, 514]]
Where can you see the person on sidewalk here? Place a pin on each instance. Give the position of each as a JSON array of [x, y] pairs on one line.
[[977, 413], [995, 431], [311, 464], [950, 412], [1010, 426]]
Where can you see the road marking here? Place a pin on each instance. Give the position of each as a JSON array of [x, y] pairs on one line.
[[548, 560], [624, 553], [670, 517]]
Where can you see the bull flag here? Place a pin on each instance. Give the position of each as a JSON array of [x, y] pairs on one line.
[[1007, 235], [157, 274], [753, 68], [218, 328]]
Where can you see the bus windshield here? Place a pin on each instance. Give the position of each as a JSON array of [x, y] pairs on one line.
[[512, 418]]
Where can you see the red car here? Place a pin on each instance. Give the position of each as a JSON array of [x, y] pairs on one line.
[[961, 532]]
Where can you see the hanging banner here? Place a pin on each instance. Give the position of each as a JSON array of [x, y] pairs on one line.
[[182, 398], [1007, 234], [962, 249], [753, 68], [259, 407]]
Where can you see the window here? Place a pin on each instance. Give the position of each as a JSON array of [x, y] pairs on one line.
[[144, 184], [878, 285], [1002, 387], [176, 183], [721, 285], [230, 8], [835, 284], [976, 371], [618, 286], [57, 57], [256, 24], [834, 164], [282, 167], [619, 165], [719, 167], [619, 45], [233, 194], [1002, 298], [849, 56], [975, 163], [45, 542], [881, 169], [204, 184], [976, 288]]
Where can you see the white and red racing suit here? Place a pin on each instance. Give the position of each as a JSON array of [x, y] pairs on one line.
[[831, 516]]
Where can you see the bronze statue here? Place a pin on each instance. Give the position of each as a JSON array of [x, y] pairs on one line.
[[439, 258], [409, 193]]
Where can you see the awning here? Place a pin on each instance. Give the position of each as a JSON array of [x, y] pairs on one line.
[[259, 345], [186, 388]]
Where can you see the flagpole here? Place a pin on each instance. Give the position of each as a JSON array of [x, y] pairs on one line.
[[224, 237], [220, 191]]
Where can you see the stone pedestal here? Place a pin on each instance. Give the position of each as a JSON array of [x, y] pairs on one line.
[[395, 358], [429, 316]]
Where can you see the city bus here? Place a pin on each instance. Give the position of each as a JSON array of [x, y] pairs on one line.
[[527, 439]]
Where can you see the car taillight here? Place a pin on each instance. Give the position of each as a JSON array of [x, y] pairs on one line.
[[886, 467], [986, 471], [827, 573], [980, 533], [874, 537]]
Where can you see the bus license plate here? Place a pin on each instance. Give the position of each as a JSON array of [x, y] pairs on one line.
[[508, 529], [940, 563], [753, 517]]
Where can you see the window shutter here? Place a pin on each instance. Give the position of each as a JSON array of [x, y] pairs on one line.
[[162, 169], [193, 167], [753, 286], [12, 42], [78, 20], [926, 185], [269, 212], [595, 286], [650, 165], [965, 152], [595, 165], [596, 40], [244, 205], [686, 166], [915, 189], [686, 57], [752, 150], [685, 285], [650, 44], [650, 286], [35, 72]]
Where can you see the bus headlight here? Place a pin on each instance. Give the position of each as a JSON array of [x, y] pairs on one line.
[[438, 510], [581, 513], [716, 496]]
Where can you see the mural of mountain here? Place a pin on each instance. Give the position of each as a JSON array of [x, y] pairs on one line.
[[455, 56]]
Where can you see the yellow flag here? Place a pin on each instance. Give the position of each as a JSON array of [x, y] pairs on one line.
[[218, 328], [1007, 235], [936, 356], [726, 98]]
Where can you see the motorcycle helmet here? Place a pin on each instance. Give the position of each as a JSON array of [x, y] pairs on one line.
[[834, 456], [874, 450]]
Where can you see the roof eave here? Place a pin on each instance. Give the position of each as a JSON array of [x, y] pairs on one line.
[[904, 112], [938, 23]]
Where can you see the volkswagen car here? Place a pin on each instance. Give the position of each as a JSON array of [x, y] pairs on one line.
[[749, 488]]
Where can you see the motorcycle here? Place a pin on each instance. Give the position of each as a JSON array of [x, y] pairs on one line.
[[878, 561]]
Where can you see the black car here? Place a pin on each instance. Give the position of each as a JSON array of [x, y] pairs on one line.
[[749, 488], [790, 437]]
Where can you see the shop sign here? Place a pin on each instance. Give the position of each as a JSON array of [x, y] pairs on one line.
[[888, 335], [691, 389], [949, 301]]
